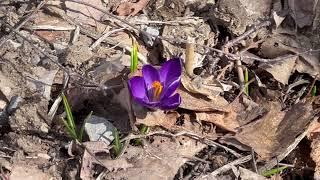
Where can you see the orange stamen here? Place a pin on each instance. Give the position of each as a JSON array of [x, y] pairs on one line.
[[157, 89]]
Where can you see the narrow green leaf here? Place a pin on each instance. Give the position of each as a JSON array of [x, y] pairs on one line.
[[67, 108], [274, 171], [314, 91], [117, 146], [246, 80], [134, 57], [144, 129], [70, 131], [83, 125]]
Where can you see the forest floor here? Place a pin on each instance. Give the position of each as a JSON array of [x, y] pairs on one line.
[[249, 99]]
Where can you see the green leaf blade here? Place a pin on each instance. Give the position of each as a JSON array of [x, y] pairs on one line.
[[117, 146], [134, 57], [67, 108]]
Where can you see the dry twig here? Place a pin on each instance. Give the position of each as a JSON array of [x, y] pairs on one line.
[[226, 167], [184, 133], [247, 33]]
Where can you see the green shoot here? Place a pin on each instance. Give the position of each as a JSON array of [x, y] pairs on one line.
[[134, 57], [82, 127], [117, 146], [314, 91], [246, 80], [69, 122], [143, 130], [274, 171]]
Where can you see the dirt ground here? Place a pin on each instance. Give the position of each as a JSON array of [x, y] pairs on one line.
[[249, 89]]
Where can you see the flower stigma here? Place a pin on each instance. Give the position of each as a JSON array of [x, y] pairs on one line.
[[157, 89]]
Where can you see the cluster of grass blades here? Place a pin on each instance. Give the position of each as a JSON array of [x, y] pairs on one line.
[[77, 135], [69, 122]]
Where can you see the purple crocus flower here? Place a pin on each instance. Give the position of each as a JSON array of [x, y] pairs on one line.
[[156, 88]]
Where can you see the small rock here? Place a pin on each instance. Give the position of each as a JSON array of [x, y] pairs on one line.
[[14, 44], [99, 129], [44, 156], [60, 47], [14, 104], [35, 59], [148, 39], [2, 104], [44, 128], [3, 117]]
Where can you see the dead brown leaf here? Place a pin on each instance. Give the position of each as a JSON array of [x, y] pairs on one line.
[[159, 118], [24, 171], [246, 174], [131, 9], [174, 123], [315, 155], [197, 103], [274, 132], [209, 86], [281, 45], [159, 160], [302, 11], [280, 70], [89, 158], [233, 115], [224, 120], [81, 13]]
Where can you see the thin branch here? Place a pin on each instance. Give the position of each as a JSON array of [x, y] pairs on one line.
[[226, 167], [247, 33], [103, 37], [183, 133]]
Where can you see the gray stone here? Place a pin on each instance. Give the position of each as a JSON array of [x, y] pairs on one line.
[[99, 129], [148, 39]]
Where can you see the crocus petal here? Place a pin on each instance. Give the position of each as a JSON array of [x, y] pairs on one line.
[[171, 102], [137, 87], [139, 92], [171, 88], [170, 71], [146, 103], [150, 75]]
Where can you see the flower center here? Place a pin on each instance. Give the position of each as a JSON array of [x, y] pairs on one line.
[[157, 89]]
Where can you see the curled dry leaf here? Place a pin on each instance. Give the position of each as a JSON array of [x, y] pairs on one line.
[[274, 132], [234, 115], [131, 9], [280, 70], [280, 45], [277, 18], [88, 159], [195, 102], [205, 86]]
